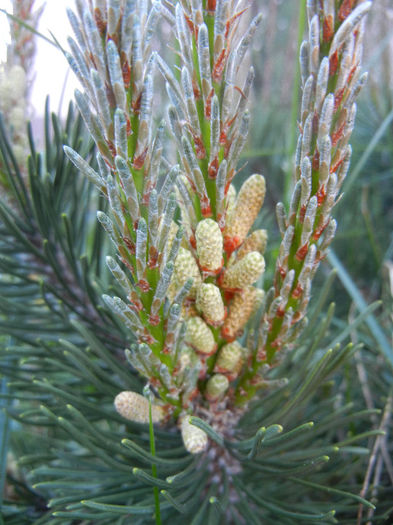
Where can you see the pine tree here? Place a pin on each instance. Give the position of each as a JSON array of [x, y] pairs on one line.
[[157, 373]]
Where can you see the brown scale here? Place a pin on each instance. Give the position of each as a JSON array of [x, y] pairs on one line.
[[302, 213], [352, 72], [334, 168], [200, 150], [130, 245], [219, 66], [320, 230], [223, 135], [333, 63], [126, 70], [232, 20], [136, 104], [345, 9], [205, 207], [153, 258], [328, 28], [154, 320], [338, 98], [143, 285], [315, 160], [208, 107], [213, 168], [280, 312], [111, 147], [140, 160], [211, 6], [110, 96], [321, 195], [100, 21], [302, 252], [297, 292], [146, 193], [195, 88]]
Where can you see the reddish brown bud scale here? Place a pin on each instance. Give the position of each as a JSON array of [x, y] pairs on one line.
[[193, 241], [228, 335], [335, 167], [136, 104], [336, 135], [153, 257], [328, 28], [136, 303], [315, 160], [208, 107], [338, 96], [143, 285], [213, 168], [154, 320], [232, 20], [302, 252], [302, 213], [195, 88], [111, 147], [130, 245], [280, 313], [321, 195], [147, 338], [126, 70], [297, 292], [282, 272], [139, 161], [231, 244], [333, 63], [100, 22], [200, 150], [345, 9], [206, 208], [352, 72], [219, 66], [319, 231], [211, 5]]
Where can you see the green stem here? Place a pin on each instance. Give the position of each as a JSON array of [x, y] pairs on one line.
[[154, 468]]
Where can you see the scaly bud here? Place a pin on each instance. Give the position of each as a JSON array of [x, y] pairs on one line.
[[246, 209], [209, 246], [194, 439], [230, 360], [210, 303], [199, 336], [256, 242], [240, 310], [216, 387], [135, 407], [244, 272], [187, 268]]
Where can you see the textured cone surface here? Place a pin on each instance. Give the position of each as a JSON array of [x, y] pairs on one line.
[[135, 407], [199, 336], [244, 272], [256, 242], [241, 308], [216, 387], [210, 303], [194, 439], [186, 268], [209, 245], [249, 202], [230, 358]]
